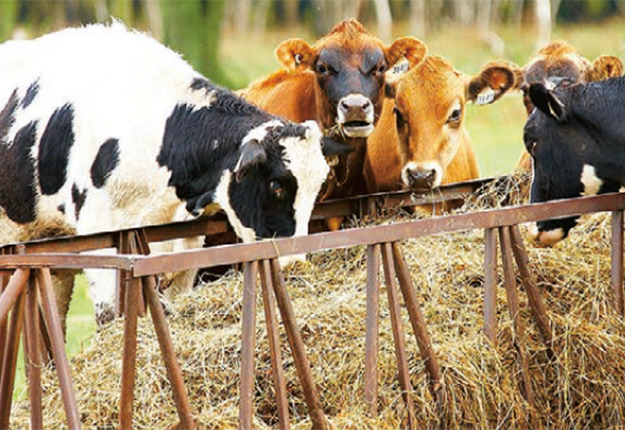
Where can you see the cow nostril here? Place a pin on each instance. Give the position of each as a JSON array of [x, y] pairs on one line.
[[343, 105], [366, 104], [432, 174]]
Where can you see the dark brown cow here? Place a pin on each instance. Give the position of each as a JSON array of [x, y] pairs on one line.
[[559, 63], [338, 82]]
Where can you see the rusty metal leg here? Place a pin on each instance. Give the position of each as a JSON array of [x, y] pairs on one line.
[[518, 334], [372, 327], [490, 285], [33, 358], [7, 379], [4, 281], [248, 345], [163, 335], [398, 334], [12, 291], [533, 294], [133, 247], [302, 363], [120, 275], [417, 320], [126, 403], [279, 380], [617, 261], [53, 322]]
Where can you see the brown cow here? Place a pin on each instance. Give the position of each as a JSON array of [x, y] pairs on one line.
[[338, 82], [558, 63], [420, 141]]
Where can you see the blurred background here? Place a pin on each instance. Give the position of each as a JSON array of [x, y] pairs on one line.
[[232, 42]]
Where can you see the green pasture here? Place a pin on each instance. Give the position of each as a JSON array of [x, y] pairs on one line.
[[496, 129]]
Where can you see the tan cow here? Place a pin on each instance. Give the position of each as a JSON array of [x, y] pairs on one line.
[[421, 142]]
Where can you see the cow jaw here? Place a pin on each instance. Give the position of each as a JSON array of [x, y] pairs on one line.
[[549, 237], [355, 115]]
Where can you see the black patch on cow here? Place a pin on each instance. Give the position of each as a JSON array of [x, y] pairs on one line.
[[56, 142], [31, 93], [105, 162], [78, 198], [200, 143], [17, 190]]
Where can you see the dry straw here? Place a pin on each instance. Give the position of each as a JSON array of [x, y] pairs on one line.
[[583, 388]]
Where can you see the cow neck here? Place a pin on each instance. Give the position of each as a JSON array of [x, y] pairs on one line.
[[345, 178]]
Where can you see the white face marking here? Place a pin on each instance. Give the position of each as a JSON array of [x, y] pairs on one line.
[[306, 162], [423, 167], [591, 182], [361, 130], [259, 133], [221, 196], [550, 237]]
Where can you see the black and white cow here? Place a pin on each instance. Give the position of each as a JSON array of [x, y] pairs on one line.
[[576, 136], [104, 128]]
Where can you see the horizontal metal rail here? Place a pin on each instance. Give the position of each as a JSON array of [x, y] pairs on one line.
[[217, 224]]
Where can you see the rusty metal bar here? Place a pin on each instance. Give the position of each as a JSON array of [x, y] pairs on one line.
[[174, 374], [4, 281], [419, 326], [490, 285], [127, 397], [302, 363], [617, 261], [229, 254], [33, 358], [279, 380], [53, 322], [66, 261], [518, 334], [372, 329], [11, 292], [248, 346], [120, 275], [398, 334], [7, 379], [532, 291], [133, 247]]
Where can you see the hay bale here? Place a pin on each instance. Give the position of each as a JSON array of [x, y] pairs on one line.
[[583, 388]]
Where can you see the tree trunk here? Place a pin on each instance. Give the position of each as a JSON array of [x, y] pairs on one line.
[[261, 14], [122, 9], [385, 21], [417, 18], [101, 10], [155, 18], [542, 14], [214, 13]]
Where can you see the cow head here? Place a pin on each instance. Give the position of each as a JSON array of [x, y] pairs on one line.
[[558, 63], [273, 186], [430, 104], [349, 65], [570, 141]]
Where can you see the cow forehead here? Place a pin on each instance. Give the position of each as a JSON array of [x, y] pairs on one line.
[[540, 70], [303, 157], [349, 36], [430, 88]]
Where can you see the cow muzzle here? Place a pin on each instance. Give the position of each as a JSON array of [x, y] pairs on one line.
[[355, 115], [421, 177]]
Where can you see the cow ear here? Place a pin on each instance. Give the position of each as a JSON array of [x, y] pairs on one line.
[[410, 48], [295, 54], [252, 154], [547, 101], [493, 81], [334, 147], [606, 66]]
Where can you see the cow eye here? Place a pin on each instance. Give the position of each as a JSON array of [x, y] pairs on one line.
[[399, 118], [322, 69], [277, 189], [455, 116], [378, 70]]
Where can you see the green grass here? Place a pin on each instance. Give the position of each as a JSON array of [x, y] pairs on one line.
[[80, 327]]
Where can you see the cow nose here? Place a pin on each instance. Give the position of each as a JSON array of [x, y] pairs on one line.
[[420, 179], [355, 104]]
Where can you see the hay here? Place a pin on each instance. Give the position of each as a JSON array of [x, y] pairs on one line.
[[583, 388]]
